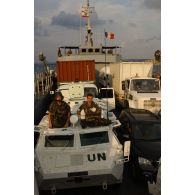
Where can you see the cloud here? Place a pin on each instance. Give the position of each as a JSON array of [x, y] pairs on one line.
[[95, 19], [110, 21], [42, 6], [73, 21], [154, 38], [67, 20], [150, 39], [133, 25], [135, 22], [38, 28], [152, 4]]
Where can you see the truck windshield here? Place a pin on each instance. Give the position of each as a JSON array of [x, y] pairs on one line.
[[147, 131], [94, 138], [144, 85], [91, 90]]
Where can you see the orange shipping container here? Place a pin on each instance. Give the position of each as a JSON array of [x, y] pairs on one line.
[[68, 71]]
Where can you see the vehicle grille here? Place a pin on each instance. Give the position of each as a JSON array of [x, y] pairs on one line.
[[151, 104]]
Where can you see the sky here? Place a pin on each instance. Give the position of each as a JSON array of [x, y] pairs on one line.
[[135, 23]]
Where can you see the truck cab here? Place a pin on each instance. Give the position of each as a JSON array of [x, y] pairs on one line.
[[143, 93], [76, 92]]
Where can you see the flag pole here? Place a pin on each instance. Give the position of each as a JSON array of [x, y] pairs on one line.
[[105, 37], [80, 29]]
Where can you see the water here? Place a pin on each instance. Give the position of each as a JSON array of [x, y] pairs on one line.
[[39, 67]]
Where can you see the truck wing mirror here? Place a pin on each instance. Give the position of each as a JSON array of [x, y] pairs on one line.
[[127, 145]]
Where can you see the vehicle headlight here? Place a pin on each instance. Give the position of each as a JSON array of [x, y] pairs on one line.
[[144, 161]]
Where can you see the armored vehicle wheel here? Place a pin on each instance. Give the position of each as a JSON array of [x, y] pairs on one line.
[[136, 173]]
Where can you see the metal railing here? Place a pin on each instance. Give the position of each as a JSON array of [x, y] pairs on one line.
[[42, 84]]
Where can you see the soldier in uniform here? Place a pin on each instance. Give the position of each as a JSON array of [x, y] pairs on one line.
[[59, 112], [89, 112]]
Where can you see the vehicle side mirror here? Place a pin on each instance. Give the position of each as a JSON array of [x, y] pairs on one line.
[[127, 145]]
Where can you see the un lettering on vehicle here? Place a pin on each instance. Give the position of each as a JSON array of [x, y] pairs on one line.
[[96, 157]]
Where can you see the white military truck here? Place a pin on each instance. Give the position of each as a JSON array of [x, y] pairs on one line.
[[75, 93], [143, 93]]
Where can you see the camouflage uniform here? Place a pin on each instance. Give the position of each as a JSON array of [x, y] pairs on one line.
[[59, 114], [91, 117]]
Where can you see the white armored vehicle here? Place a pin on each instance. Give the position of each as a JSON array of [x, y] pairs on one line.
[[76, 157]]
